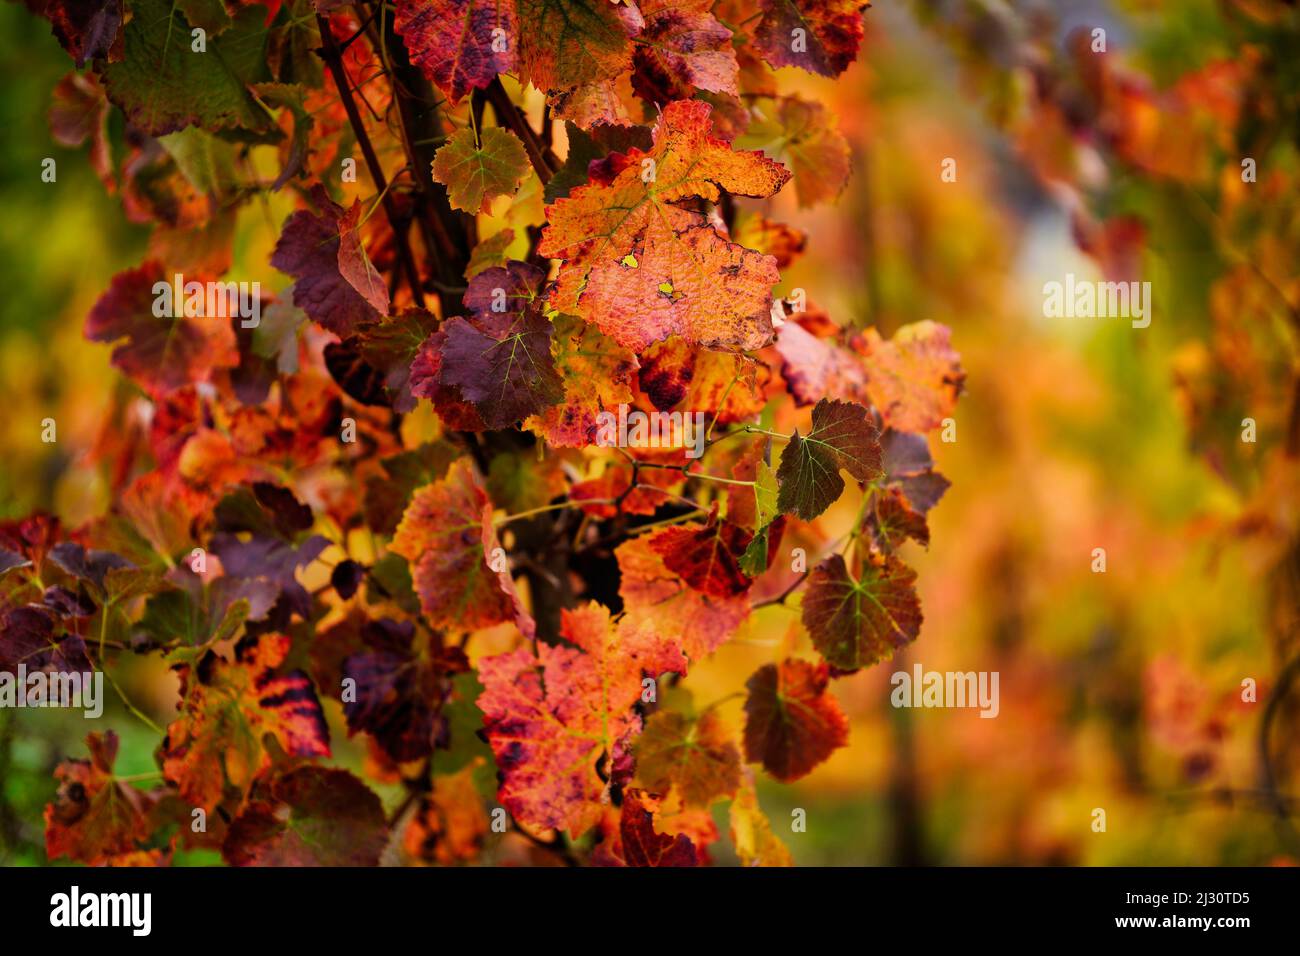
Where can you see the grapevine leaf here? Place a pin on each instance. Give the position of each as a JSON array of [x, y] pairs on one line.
[[311, 249], [641, 265], [315, 816], [892, 519], [163, 85], [802, 133], [698, 757], [565, 43], [93, 817], [821, 36], [909, 467], [355, 266], [761, 550], [597, 374], [682, 48], [814, 368], [489, 252], [477, 170], [587, 145], [87, 29], [856, 623], [401, 685], [706, 556], [792, 723], [460, 45], [499, 359], [639, 844], [226, 709], [159, 352], [658, 602], [915, 377], [842, 436], [751, 831], [560, 722], [442, 535], [450, 824]]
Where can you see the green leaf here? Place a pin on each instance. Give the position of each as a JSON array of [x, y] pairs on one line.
[[210, 15], [477, 172], [754, 560], [842, 436], [206, 162], [164, 85]]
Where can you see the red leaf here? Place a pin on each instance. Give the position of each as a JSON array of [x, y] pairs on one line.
[[792, 723]]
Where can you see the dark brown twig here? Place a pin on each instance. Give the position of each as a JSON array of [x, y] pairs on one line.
[[330, 53], [543, 160]]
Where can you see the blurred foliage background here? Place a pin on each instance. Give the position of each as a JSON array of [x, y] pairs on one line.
[[1119, 690]]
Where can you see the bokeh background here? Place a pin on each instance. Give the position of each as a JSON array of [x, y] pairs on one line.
[[1119, 690]]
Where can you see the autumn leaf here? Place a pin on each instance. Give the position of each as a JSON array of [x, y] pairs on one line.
[[87, 29], [597, 375], [442, 535], [751, 831], [79, 112], [783, 242], [680, 49], [820, 36], [674, 372], [499, 359], [518, 481], [401, 682], [658, 602], [226, 709], [766, 518], [639, 844], [374, 364], [565, 43], [355, 265], [891, 519], [857, 622], [642, 264], [489, 253], [313, 816], [450, 824], [460, 45], [94, 816], [560, 723], [815, 368], [159, 352], [313, 248], [698, 757], [592, 105], [915, 377], [803, 134], [842, 436], [792, 722], [706, 556], [477, 169], [387, 495], [910, 468], [163, 86], [593, 143]]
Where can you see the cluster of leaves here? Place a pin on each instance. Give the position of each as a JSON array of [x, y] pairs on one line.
[[392, 492]]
